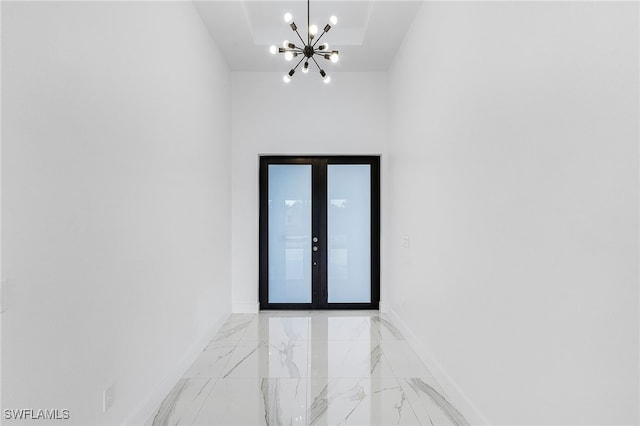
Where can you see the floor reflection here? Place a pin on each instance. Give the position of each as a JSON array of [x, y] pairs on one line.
[[308, 368]]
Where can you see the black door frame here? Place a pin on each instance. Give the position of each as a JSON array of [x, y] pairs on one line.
[[319, 228]]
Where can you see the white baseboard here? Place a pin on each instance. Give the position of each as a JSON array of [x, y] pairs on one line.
[[245, 308], [455, 395], [167, 381]]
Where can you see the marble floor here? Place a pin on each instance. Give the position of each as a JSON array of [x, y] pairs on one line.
[[307, 368]]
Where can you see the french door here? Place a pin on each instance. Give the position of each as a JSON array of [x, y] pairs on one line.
[[319, 232]]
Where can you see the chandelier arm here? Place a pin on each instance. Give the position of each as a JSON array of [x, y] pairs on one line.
[[296, 67], [295, 50], [291, 49], [314, 60], [299, 36], [323, 33], [322, 55]]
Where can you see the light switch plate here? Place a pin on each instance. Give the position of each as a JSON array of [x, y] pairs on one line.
[[405, 241], [107, 399]]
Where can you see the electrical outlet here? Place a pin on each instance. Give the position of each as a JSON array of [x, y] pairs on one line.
[[405, 241], [107, 399]]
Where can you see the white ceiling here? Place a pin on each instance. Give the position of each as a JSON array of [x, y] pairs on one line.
[[367, 34]]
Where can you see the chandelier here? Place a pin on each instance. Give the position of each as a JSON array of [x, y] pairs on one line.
[[309, 49]]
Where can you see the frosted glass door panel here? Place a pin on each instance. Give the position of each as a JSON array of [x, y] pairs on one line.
[[290, 233], [349, 233]]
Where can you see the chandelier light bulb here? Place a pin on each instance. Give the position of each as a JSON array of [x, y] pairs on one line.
[[288, 17], [333, 20], [288, 55], [327, 79], [313, 30], [286, 78], [334, 57], [305, 68], [285, 44], [324, 46], [273, 50]]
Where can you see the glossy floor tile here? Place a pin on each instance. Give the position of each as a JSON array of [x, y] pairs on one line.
[[308, 368]]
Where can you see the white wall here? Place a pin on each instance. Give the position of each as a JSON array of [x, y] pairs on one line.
[[115, 209], [514, 171], [2, 287], [347, 116]]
